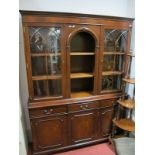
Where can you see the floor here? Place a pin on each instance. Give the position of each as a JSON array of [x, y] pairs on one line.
[[100, 149]]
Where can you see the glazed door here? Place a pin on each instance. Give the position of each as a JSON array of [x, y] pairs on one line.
[[49, 132], [83, 126], [45, 55], [115, 44], [82, 55]]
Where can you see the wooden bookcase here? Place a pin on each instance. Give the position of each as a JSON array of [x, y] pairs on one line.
[[75, 65]]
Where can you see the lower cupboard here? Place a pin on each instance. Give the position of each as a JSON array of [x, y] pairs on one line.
[[59, 128]]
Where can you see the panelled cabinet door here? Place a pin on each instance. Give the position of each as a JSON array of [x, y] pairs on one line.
[[106, 116], [49, 132], [46, 61], [83, 126], [82, 55]]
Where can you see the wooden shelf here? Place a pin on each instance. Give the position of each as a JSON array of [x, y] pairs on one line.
[[112, 73], [80, 94], [82, 53], [81, 75], [114, 53], [46, 77], [110, 91], [132, 80], [125, 124], [130, 54], [127, 103], [43, 54]]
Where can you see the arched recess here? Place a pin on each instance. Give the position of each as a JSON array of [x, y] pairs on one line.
[[82, 47]]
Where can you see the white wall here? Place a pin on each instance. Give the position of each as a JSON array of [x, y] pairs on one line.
[[123, 8], [104, 7], [23, 147]]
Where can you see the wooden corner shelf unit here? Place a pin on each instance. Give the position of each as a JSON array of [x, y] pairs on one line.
[[128, 103], [75, 64], [126, 124]]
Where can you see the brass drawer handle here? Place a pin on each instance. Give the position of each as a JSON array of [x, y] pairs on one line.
[[48, 112], [84, 107], [71, 26]]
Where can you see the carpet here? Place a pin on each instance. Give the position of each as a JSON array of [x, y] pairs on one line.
[[100, 149]]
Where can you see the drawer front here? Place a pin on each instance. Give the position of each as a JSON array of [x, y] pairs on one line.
[[83, 106], [107, 103], [47, 111]]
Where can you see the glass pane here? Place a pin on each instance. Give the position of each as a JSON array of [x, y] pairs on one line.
[[111, 82], [115, 40], [112, 63], [55, 87], [54, 65], [38, 66], [40, 88], [43, 88], [44, 39]]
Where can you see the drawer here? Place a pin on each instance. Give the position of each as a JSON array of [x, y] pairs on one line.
[[107, 103], [47, 111], [83, 106]]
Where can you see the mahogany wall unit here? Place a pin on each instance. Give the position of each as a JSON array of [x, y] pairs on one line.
[[75, 64]]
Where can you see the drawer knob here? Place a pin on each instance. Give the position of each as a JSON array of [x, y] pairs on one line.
[[86, 106], [82, 107], [46, 112], [51, 110]]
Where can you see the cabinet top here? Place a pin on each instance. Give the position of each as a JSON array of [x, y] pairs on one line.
[[80, 15]]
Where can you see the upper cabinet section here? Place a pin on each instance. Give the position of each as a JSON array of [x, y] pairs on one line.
[[74, 55]]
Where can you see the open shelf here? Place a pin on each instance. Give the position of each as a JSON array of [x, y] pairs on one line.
[[114, 53], [44, 54], [82, 53], [129, 80], [125, 124], [45, 77], [112, 73], [80, 94], [82, 65], [127, 103], [81, 75]]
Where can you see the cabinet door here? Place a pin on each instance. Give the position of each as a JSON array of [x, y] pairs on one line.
[[115, 44], [106, 116], [49, 132], [82, 54], [45, 61], [83, 126]]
